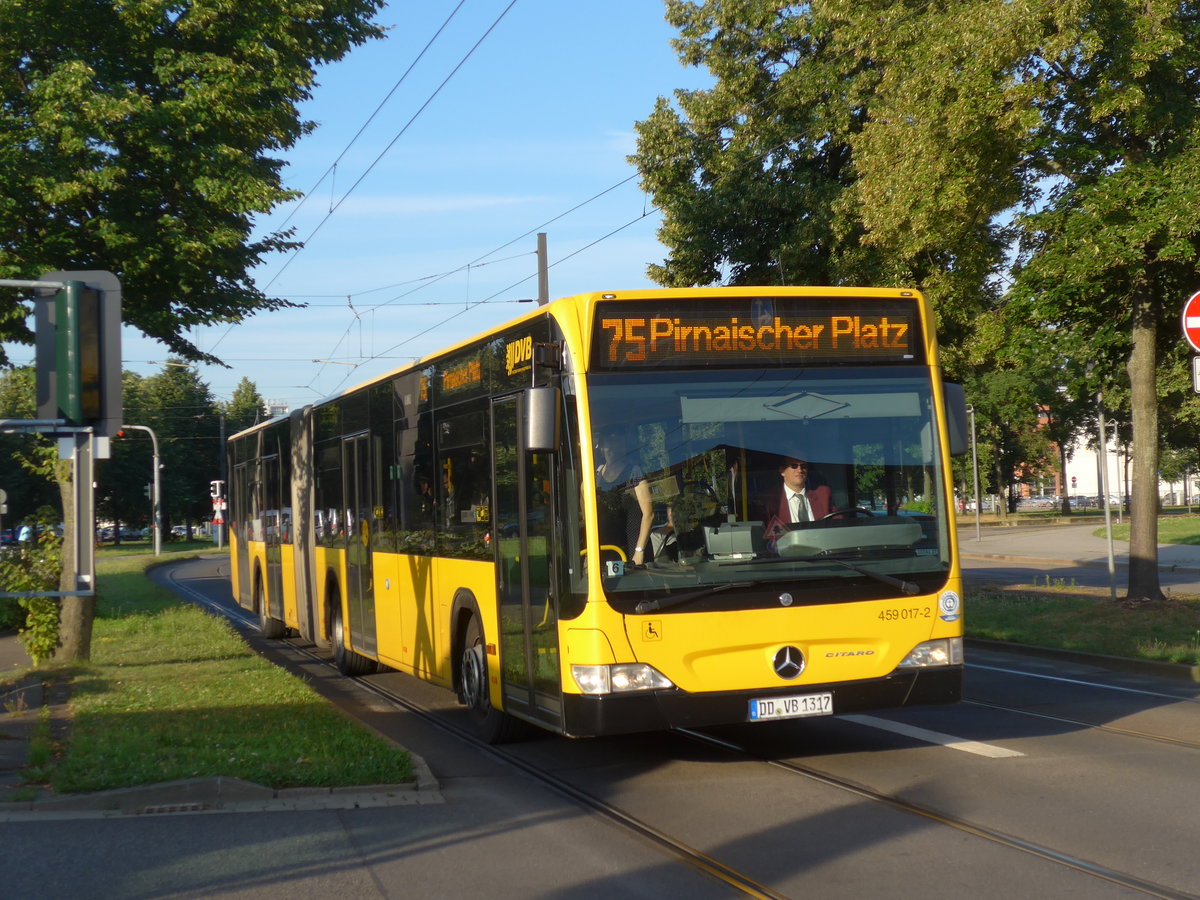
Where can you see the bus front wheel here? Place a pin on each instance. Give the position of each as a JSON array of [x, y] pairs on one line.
[[492, 725]]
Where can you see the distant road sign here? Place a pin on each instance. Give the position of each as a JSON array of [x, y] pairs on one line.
[[1191, 321]]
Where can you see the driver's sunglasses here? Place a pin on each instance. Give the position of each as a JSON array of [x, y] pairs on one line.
[[796, 465]]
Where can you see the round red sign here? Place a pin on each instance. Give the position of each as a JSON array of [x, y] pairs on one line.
[[1191, 321]]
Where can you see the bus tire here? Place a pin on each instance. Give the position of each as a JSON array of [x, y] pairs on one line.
[[492, 725], [270, 627], [347, 661]]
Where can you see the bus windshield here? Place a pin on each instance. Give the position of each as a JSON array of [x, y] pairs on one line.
[[771, 481]]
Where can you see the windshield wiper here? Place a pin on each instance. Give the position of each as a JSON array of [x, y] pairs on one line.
[[906, 586], [667, 602]]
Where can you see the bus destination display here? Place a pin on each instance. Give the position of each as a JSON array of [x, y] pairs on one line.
[[754, 331]]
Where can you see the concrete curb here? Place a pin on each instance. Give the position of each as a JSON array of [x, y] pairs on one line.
[[223, 795]]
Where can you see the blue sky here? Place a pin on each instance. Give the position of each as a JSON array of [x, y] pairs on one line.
[[538, 119]]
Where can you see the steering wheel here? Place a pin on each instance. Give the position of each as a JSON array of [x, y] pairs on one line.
[[702, 488], [702, 491], [849, 511]]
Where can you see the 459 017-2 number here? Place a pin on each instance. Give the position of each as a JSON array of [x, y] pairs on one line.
[[905, 614]]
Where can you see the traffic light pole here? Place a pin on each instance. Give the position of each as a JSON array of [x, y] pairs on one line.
[[76, 444]]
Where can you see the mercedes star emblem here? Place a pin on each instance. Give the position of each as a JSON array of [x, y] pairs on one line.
[[789, 662]]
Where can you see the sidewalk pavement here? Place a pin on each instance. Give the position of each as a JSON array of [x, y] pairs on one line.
[[1069, 544]]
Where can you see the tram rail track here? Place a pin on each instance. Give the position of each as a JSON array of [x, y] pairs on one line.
[[740, 881], [1041, 851]]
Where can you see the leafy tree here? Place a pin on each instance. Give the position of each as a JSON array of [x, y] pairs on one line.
[[1063, 134], [26, 491], [121, 479], [747, 173], [140, 137], [759, 179], [245, 408], [179, 408], [70, 628], [1088, 111]]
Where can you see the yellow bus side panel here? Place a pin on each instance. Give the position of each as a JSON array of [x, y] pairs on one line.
[[256, 556], [409, 630], [413, 599], [291, 614], [325, 561], [391, 609], [732, 651], [450, 575], [234, 581]]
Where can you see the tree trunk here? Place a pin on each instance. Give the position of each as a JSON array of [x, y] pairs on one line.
[[1143, 518], [75, 613]]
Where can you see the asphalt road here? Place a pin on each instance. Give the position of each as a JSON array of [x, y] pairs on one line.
[[1052, 779]]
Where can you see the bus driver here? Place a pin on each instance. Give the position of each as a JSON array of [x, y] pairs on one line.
[[796, 499]]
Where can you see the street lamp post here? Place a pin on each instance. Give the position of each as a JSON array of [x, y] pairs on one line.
[[975, 472], [157, 525]]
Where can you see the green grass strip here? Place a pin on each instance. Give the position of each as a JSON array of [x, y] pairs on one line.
[[1066, 617], [173, 692]]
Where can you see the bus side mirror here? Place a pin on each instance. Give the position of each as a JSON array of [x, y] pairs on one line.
[[541, 419], [955, 399]]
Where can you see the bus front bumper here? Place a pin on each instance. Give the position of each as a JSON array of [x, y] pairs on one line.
[[595, 715]]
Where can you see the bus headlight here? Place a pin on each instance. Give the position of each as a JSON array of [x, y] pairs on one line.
[[619, 679], [944, 652]]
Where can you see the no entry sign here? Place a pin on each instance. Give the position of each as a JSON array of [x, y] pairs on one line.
[[1191, 321]]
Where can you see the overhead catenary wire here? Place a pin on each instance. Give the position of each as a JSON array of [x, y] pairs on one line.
[[758, 157], [382, 103], [335, 206], [730, 121]]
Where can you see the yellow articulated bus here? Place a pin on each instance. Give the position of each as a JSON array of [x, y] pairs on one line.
[[629, 511]]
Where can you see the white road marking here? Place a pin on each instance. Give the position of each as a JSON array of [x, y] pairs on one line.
[[1095, 684], [935, 737]]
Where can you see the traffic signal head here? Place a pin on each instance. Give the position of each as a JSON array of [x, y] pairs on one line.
[[78, 328]]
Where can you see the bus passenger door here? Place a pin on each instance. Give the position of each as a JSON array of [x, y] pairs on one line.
[[525, 570], [360, 583], [272, 533], [240, 504]]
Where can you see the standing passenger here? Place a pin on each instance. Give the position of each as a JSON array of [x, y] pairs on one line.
[[623, 497]]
